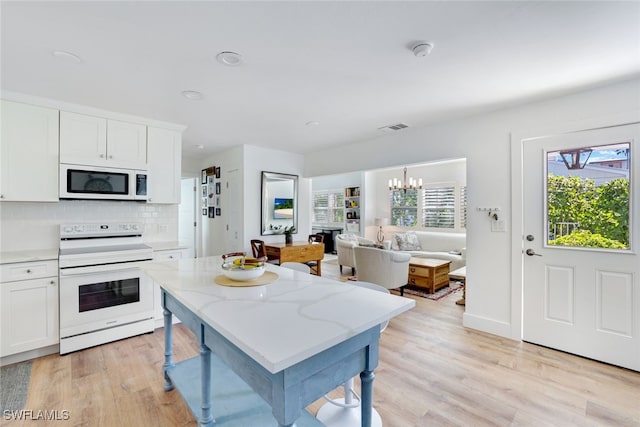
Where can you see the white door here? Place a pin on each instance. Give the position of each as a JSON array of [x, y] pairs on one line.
[[585, 299], [187, 215]]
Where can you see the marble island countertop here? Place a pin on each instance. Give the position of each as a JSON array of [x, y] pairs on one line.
[[166, 245], [284, 322], [10, 257]]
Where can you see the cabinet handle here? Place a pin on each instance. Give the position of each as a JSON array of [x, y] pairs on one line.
[[28, 271], [1, 196], [102, 156], [170, 256], [412, 281], [413, 270], [111, 157], [52, 283]]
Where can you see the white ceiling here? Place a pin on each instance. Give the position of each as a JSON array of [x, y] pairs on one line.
[[347, 65]]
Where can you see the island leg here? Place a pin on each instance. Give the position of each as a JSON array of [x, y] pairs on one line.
[[366, 385], [168, 349], [206, 418]]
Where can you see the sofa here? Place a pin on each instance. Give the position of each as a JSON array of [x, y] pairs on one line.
[[433, 244], [344, 247]]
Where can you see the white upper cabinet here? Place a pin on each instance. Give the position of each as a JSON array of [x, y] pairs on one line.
[[126, 145], [28, 153], [96, 141], [164, 167]]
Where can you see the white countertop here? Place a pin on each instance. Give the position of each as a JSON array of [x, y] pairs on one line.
[[284, 322], [28, 256]]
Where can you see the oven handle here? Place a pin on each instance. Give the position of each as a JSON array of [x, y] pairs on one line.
[[74, 271]]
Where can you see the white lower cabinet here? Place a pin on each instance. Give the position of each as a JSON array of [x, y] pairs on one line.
[[29, 307], [164, 255]]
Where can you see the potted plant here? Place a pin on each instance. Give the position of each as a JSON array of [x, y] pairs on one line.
[[288, 233]]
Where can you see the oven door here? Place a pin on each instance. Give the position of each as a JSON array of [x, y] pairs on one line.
[[101, 300]]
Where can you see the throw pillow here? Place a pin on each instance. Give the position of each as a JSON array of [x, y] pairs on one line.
[[408, 241]]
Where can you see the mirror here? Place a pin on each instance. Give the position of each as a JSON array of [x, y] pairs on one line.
[[279, 202]]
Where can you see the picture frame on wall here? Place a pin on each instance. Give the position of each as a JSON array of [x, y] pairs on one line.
[[218, 211], [203, 176], [204, 211], [218, 172], [217, 201], [212, 212], [217, 188], [204, 191]]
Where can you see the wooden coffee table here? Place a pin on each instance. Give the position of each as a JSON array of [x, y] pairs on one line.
[[428, 273]]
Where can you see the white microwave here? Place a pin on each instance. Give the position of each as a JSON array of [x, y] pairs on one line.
[[92, 182]]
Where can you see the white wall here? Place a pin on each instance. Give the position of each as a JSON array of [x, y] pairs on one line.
[[241, 176], [34, 226], [485, 141]]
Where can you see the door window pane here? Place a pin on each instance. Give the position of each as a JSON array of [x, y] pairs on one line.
[[588, 191]]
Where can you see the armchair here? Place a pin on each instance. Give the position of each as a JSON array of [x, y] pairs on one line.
[[344, 247], [386, 268]]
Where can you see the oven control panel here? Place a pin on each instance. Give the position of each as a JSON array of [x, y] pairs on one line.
[[100, 229]]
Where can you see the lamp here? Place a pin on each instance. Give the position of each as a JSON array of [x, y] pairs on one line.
[[574, 159], [380, 222], [405, 185]]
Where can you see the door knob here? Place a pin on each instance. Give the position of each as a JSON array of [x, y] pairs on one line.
[[531, 252], [529, 237]]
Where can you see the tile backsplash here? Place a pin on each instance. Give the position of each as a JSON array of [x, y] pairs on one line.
[[27, 226]]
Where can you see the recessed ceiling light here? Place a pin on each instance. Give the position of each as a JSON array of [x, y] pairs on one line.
[[67, 56], [230, 59], [192, 95], [312, 123]]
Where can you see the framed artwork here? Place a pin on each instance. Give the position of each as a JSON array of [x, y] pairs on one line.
[[218, 210], [203, 176], [211, 170], [218, 172], [204, 191], [217, 187], [204, 211], [212, 212], [217, 201], [204, 202]]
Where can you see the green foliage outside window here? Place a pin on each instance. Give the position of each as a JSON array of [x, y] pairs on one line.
[[602, 211], [404, 208]]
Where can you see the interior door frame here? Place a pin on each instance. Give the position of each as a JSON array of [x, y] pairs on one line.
[[518, 139]]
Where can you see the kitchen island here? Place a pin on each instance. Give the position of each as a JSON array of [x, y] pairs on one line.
[[278, 347]]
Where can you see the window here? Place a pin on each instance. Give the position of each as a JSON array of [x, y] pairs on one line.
[[463, 207], [437, 206], [328, 207], [404, 208]]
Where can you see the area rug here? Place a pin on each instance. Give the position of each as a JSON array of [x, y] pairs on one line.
[[14, 385], [439, 294]]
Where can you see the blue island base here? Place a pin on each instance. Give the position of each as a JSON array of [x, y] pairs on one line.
[[233, 402]]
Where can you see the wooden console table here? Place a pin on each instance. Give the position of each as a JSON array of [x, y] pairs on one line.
[[266, 352], [296, 252], [429, 273]]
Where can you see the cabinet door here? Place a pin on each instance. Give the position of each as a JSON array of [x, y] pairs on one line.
[[28, 153], [83, 139], [167, 255], [29, 315], [164, 168], [126, 145]]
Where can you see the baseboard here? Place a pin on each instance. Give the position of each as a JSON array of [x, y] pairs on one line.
[[28, 355], [491, 326]]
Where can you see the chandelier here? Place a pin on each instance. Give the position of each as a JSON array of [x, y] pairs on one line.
[[404, 185]]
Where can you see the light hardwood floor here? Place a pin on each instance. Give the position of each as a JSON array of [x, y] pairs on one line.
[[432, 372]]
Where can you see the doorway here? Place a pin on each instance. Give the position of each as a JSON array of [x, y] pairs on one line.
[[187, 219], [580, 240]]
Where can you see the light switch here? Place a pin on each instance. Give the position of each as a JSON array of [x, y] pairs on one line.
[[498, 225]]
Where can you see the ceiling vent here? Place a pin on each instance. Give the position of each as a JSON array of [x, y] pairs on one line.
[[393, 128]]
